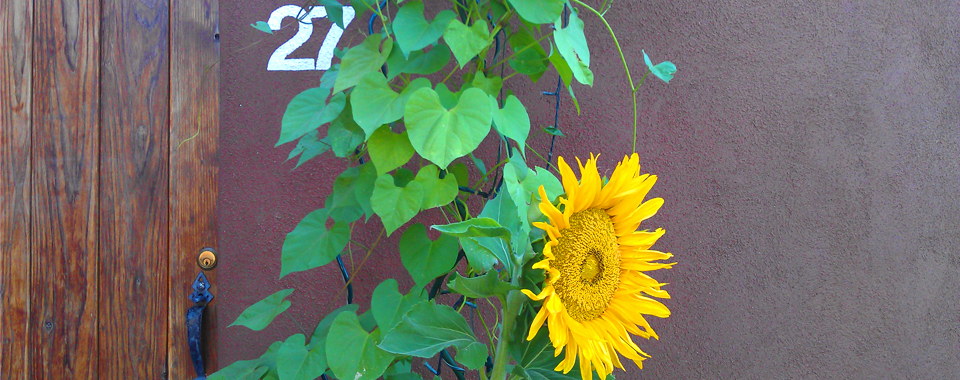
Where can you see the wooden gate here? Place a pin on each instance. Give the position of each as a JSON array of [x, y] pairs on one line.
[[108, 184]]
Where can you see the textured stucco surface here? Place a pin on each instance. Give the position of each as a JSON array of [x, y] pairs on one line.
[[808, 153]]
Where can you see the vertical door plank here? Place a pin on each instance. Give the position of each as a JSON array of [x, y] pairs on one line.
[[64, 223], [16, 34], [194, 136], [134, 100]]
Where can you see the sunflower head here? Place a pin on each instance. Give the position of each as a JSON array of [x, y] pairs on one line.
[[596, 292]]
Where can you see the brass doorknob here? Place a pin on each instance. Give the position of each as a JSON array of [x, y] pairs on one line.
[[207, 259]]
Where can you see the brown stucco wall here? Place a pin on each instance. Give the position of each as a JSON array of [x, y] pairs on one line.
[[808, 153]]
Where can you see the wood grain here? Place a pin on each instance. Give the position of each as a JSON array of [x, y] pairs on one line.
[[64, 222], [16, 40], [134, 111], [194, 107]]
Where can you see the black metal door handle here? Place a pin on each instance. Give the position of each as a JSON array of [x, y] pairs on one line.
[[201, 296]]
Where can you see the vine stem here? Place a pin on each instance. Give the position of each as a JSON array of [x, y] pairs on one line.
[[633, 89], [510, 311]]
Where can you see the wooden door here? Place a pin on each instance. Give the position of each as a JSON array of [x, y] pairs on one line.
[[109, 117]]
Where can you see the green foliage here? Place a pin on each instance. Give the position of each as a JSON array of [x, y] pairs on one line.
[[405, 133], [259, 315], [307, 112], [427, 329], [311, 244], [488, 285], [350, 342], [442, 135], [426, 259]]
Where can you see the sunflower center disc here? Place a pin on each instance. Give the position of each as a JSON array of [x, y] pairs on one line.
[[588, 258]]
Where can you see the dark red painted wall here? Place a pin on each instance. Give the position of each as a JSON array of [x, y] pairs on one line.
[[808, 153]]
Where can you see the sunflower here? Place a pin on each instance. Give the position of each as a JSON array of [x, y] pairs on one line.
[[596, 291]]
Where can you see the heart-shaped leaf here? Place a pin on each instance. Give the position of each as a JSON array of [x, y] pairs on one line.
[[419, 62], [442, 135], [344, 135], [539, 11], [308, 111], [259, 315], [307, 148], [311, 244], [342, 203], [389, 150], [334, 11], [512, 121], [360, 60], [490, 85], [389, 306], [426, 259], [473, 356], [395, 205], [295, 362], [377, 104], [441, 191], [528, 55], [357, 355], [572, 45], [412, 29], [466, 41], [663, 70], [363, 188]]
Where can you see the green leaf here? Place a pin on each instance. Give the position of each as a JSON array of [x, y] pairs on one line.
[[364, 187], [442, 135], [395, 205], [307, 112], [294, 362], [427, 329], [262, 26], [459, 169], [360, 60], [473, 356], [389, 306], [319, 337], [419, 62], [425, 259], [539, 11], [560, 64], [357, 355], [412, 30], [437, 192], [448, 98], [308, 147], [512, 121], [377, 104], [663, 70], [401, 370], [503, 211], [240, 370], [344, 135], [466, 41], [572, 45], [311, 244], [476, 227], [553, 131], [490, 85], [329, 77], [480, 258], [389, 150], [479, 163], [334, 11], [488, 285], [259, 315], [342, 203], [529, 55]]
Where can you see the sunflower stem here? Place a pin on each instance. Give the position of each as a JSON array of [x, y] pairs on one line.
[[510, 311]]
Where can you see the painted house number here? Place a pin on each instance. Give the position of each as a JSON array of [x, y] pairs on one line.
[[279, 61]]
